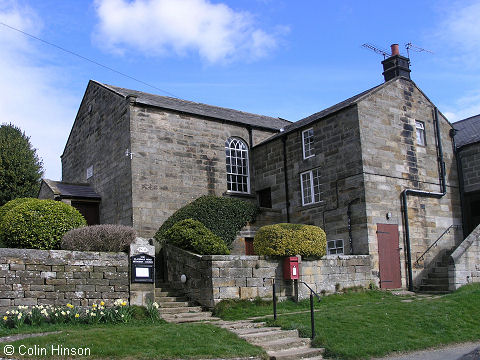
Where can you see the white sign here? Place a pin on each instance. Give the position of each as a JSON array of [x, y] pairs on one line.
[[294, 271], [142, 272]]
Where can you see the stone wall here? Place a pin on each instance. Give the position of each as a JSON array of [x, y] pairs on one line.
[[212, 278], [394, 161], [464, 263], [177, 158], [99, 139], [470, 157], [58, 277]]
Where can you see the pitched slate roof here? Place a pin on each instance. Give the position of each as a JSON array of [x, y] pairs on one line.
[[194, 108], [324, 113], [468, 131], [70, 191]]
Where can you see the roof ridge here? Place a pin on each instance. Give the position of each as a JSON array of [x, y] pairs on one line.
[[114, 88]]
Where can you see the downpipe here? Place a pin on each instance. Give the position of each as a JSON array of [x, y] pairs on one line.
[[432, 194]]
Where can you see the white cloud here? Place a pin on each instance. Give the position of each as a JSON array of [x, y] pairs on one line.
[[464, 107], [30, 94], [459, 32], [161, 27]]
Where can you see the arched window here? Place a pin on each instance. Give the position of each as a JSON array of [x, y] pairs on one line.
[[236, 152]]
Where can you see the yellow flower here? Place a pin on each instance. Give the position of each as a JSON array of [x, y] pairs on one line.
[[5, 318], [70, 306], [94, 305], [77, 315], [102, 303], [124, 303]]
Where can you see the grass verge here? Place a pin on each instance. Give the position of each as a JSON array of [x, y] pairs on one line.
[[374, 323], [138, 340]]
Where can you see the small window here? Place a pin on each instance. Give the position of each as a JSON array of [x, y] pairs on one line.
[[265, 198], [334, 247], [236, 155], [249, 246], [420, 131], [307, 142], [310, 186], [89, 172]]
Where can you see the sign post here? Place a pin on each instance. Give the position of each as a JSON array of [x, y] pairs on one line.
[[142, 272]]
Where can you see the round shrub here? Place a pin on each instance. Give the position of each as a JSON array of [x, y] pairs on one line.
[[39, 224], [193, 236], [290, 240], [107, 237], [10, 205], [222, 215]]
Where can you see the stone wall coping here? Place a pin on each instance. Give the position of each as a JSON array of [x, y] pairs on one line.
[[261, 257], [464, 246], [67, 254]]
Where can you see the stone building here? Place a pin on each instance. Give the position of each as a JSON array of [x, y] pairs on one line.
[[347, 169], [149, 155], [467, 140], [376, 171]]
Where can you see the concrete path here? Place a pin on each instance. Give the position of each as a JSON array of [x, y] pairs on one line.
[[465, 351]]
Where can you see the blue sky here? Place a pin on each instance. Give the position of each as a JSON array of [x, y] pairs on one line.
[[279, 58]]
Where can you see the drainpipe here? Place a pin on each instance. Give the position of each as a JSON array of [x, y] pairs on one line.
[[287, 202], [432, 194], [460, 181], [349, 216]]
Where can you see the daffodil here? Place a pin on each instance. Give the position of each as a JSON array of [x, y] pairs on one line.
[[77, 315], [102, 303], [5, 318], [70, 306], [94, 305]]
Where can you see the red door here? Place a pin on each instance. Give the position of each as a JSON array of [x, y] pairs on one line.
[[388, 256]]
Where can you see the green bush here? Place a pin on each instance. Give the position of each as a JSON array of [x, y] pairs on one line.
[[193, 236], [10, 205], [39, 224], [289, 240], [105, 237], [222, 215]]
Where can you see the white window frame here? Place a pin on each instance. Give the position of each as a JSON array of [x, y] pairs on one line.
[[245, 173], [336, 247], [314, 189], [308, 153], [420, 129]]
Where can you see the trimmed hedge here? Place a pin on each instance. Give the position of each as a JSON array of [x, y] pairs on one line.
[[290, 240], [107, 237], [193, 236], [10, 205], [222, 215], [39, 224]]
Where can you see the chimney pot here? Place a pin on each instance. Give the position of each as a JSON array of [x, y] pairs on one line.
[[395, 50]]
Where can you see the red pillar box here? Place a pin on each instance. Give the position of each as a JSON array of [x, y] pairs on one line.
[[290, 268]]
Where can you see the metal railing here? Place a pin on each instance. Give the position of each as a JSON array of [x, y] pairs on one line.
[[312, 312], [447, 231]]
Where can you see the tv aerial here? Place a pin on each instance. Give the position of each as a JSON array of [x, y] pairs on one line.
[[409, 46], [377, 50]]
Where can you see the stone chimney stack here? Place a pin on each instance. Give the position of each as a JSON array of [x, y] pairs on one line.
[[396, 65]]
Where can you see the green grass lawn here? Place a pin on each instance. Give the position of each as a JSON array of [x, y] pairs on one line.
[[139, 340], [374, 323]]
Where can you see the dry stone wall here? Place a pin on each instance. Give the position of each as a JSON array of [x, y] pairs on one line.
[[57, 277], [212, 278]]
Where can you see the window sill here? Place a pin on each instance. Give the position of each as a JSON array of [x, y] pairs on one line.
[[309, 206], [242, 195]]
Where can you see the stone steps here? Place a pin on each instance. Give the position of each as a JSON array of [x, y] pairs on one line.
[[436, 281], [279, 344], [174, 307]]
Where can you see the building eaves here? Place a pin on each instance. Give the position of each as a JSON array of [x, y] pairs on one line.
[[204, 110], [467, 131], [72, 191]]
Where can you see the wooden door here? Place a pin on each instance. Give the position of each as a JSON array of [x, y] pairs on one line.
[[388, 256], [89, 210]]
